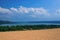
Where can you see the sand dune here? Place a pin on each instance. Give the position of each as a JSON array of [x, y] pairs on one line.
[[48, 34]]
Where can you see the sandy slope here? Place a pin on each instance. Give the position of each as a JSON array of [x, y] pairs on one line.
[[48, 34]]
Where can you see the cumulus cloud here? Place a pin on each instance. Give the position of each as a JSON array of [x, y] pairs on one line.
[[23, 9], [28, 12], [39, 12], [14, 9], [5, 13], [4, 10], [34, 12]]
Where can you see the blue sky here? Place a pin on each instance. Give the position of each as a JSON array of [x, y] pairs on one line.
[[30, 10]]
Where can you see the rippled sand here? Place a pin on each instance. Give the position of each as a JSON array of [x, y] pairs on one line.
[[47, 34]]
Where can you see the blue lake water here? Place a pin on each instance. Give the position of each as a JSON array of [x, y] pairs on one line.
[[14, 24]]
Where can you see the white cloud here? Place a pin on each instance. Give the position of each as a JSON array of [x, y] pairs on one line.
[[4, 10], [34, 12], [41, 11], [22, 12], [22, 9], [6, 13], [14, 9]]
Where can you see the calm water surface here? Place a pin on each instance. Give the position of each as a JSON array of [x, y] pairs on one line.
[[14, 24]]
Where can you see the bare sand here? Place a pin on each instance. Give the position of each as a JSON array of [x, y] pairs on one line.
[[47, 34]]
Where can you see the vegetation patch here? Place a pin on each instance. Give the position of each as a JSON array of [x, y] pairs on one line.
[[27, 27]]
